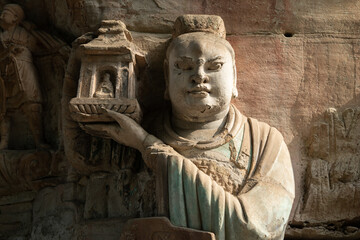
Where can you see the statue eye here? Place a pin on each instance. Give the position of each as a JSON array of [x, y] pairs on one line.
[[183, 65], [215, 66]]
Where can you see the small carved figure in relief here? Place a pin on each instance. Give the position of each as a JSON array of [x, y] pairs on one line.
[[333, 170], [19, 76], [218, 170], [105, 88]]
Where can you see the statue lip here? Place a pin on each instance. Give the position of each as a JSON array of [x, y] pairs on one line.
[[200, 91]]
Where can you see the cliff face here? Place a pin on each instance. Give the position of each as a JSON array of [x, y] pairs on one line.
[[297, 68]]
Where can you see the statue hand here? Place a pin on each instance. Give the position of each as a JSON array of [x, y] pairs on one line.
[[125, 131]]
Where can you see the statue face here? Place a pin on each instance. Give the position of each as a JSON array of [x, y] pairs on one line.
[[7, 19], [201, 75]]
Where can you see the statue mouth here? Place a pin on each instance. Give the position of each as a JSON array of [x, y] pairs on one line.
[[201, 94], [199, 91]]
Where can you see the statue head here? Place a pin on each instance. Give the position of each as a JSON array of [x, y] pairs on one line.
[[200, 74], [11, 15]]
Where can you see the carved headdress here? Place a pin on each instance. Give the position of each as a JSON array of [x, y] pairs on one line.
[[212, 24], [16, 10], [199, 23]]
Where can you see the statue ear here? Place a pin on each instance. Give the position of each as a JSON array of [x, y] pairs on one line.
[[166, 76], [234, 90]]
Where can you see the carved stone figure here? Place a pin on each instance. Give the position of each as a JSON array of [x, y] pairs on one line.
[[217, 170], [105, 88], [19, 76]]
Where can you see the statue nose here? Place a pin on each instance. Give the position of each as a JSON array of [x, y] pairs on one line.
[[199, 77]]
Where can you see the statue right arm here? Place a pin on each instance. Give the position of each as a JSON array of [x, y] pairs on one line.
[[198, 202]]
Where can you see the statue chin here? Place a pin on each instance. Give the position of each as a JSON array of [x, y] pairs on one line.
[[199, 112]]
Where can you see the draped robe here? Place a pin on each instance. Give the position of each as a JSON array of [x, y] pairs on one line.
[[238, 185]]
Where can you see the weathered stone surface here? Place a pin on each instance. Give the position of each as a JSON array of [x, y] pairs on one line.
[[119, 195], [286, 81], [76, 17], [15, 220], [30, 170], [109, 229], [21, 89], [160, 228], [269, 67], [198, 149], [320, 232], [16, 215], [152, 83], [333, 177], [20, 197], [54, 217], [330, 78]]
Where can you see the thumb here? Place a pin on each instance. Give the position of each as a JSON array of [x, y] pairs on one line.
[[118, 117]]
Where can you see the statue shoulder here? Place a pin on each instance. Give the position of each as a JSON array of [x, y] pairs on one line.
[[267, 143], [263, 130], [273, 158]]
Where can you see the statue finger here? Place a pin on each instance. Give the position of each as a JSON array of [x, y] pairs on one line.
[[118, 117], [110, 113]]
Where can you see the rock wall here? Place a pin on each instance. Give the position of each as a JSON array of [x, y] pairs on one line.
[[297, 66]]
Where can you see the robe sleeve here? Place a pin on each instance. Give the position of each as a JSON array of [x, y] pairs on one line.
[[196, 201]]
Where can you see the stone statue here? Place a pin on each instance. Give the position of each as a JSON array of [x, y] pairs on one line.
[[217, 170], [19, 76], [105, 88]]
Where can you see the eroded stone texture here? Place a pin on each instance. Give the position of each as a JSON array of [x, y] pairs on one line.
[[160, 228], [288, 81], [332, 179], [110, 229], [122, 195], [16, 215], [19, 79], [216, 170], [55, 212], [30, 170], [157, 16]]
